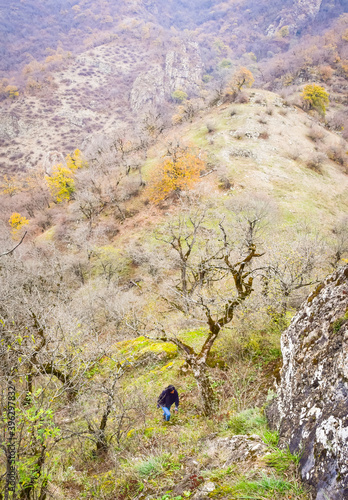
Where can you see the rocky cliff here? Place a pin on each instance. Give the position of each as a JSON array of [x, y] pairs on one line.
[[311, 410], [300, 13], [182, 70]]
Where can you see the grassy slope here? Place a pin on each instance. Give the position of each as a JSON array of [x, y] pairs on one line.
[[158, 455]]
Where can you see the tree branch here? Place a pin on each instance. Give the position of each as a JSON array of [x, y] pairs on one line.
[[13, 249]]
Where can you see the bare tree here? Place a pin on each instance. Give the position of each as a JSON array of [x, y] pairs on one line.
[[339, 246], [292, 267], [213, 279], [102, 402]]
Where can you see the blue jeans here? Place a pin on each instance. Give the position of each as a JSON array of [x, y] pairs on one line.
[[166, 412]]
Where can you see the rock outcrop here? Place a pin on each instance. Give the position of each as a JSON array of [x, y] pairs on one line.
[[224, 452], [311, 410], [182, 70], [51, 159], [303, 12], [9, 126], [221, 454]]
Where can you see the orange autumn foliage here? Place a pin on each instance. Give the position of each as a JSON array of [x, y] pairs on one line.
[[175, 174]]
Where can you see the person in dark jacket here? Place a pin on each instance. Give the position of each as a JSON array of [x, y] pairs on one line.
[[167, 398]]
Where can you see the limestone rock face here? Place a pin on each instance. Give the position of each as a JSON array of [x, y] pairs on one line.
[[51, 159], [148, 89], [298, 15], [182, 70], [311, 410], [9, 126]]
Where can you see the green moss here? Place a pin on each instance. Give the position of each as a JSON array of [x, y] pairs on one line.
[[167, 367], [315, 293], [221, 492], [148, 168], [47, 235], [139, 347], [195, 338], [336, 325], [109, 261]]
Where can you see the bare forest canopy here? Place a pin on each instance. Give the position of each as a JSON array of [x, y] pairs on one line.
[[32, 29]]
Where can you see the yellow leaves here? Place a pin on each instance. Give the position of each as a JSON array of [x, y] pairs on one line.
[[242, 77], [316, 97], [179, 95], [12, 91], [61, 183], [75, 161], [220, 46], [9, 185], [175, 174], [343, 66], [17, 222], [283, 32]]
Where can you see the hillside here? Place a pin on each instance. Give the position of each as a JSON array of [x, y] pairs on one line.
[[89, 69], [173, 196], [102, 311]]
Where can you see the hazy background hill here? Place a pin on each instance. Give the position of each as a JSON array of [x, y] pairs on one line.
[[30, 29], [70, 68]]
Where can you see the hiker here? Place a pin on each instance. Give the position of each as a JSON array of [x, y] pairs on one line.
[[167, 398]]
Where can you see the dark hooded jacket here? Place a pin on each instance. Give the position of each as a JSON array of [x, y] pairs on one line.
[[167, 399]]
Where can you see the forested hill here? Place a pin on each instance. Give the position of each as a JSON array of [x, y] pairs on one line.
[[34, 28]]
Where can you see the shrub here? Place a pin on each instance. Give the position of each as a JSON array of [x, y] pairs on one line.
[[338, 121], [338, 154], [284, 31], [175, 174], [294, 154], [211, 126], [225, 63], [179, 96], [325, 72], [242, 98], [315, 133], [316, 162], [17, 222], [264, 135], [241, 78], [225, 183], [262, 120], [61, 183], [316, 98]]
